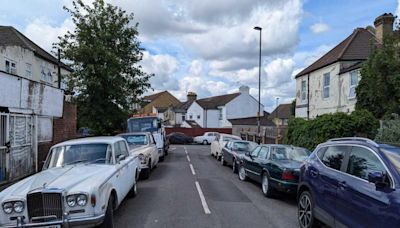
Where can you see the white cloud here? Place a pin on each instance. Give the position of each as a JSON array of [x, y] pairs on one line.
[[319, 28], [45, 34], [163, 67]]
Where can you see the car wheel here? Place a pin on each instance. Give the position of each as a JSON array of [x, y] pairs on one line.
[[205, 142], [108, 218], [266, 186], [133, 192], [242, 173], [223, 163], [162, 158], [305, 209], [234, 166]]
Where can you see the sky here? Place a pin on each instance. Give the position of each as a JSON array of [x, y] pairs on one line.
[[210, 47]]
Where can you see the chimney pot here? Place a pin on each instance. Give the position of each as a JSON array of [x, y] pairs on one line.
[[191, 96], [244, 89], [383, 26]]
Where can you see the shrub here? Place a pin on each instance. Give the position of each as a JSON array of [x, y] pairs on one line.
[[310, 133], [390, 130]]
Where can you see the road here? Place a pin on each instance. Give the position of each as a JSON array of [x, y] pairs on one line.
[[193, 190]]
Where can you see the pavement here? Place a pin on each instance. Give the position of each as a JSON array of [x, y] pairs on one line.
[[192, 189]]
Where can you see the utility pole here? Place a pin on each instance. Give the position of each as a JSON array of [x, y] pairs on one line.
[[259, 89]]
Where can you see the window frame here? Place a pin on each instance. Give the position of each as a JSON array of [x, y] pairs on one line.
[[11, 69], [28, 70], [326, 87], [220, 114], [267, 155], [343, 166], [303, 100], [351, 86]]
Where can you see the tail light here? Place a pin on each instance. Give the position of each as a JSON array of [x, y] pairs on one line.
[[288, 175]]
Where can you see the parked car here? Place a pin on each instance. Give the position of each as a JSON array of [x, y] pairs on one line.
[[219, 143], [143, 145], [234, 151], [350, 182], [276, 167], [179, 138], [80, 185], [206, 138]]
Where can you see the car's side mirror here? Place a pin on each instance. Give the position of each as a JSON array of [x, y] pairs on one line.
[[248, 154], [378, 178], [121, 157]]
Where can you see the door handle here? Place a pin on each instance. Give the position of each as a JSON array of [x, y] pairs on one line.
[[342, 185], [313, 173]]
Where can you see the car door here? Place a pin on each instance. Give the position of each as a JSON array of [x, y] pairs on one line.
[[250, 164], [326, 177], [155, 156], [124, 181], [361, 203], [261, 161], [226, 152]]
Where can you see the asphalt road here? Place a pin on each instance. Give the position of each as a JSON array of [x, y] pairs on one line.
[[204, 195]]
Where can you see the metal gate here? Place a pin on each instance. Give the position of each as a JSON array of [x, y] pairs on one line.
[[17, 158]]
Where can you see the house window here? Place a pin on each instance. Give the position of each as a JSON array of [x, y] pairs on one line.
[[183, 118], [28, 70], [190, 117], [198, 117], [11, 67], [45, 73], [327, 83], [303, 91], [353, 84], [220, 114]]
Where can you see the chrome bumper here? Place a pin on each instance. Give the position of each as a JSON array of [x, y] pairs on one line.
[[69, 222]]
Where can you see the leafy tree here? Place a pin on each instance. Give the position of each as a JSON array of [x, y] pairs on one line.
[[390, 130], [104, 52], [379, 87]]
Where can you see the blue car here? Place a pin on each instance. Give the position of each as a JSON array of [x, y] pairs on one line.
[[350, 182]]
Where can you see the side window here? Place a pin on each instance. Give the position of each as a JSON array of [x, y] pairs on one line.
[[123, 148], [263, 153], [152, 140], [117, 150], [255, 152], [334, 155], [362, 161]]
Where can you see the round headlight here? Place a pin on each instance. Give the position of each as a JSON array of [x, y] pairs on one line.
[[71, 201], [19, 206], [141, 157], [8, 208], [81, 200]]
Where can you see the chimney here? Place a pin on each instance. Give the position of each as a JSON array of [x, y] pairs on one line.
[[244, 89], [191, 96], [383, 26]]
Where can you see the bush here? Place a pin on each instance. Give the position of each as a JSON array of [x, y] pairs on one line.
[[310, 133], [390, 130]]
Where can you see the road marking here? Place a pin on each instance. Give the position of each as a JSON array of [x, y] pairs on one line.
[[185, 149], [203, 199], [191, 168], [187, 156]]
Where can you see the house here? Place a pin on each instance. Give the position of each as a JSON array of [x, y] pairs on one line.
[[30, 103], [21, 57], [215, 112], [158, 103], [328, 85], [176, 116], [247, 128], [281, 115]]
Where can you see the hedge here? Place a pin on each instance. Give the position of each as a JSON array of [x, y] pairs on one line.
[[390, 131], [310, 133]]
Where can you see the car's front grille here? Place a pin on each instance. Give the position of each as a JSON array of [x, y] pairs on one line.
[[44, 206]]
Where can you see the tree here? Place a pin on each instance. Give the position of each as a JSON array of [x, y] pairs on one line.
[[104, 52], [379, 87]]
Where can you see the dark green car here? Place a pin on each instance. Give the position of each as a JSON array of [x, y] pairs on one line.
[[276, 167]]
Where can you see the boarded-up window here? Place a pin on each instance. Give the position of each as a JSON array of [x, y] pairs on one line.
[[45, 129]]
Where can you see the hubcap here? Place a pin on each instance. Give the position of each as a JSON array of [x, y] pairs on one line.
[[234, 166], [305, 211], [265, 184], [222, 160], [135, 188]]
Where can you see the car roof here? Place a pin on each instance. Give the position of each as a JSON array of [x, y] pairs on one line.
[[90, 140], [134, 133]]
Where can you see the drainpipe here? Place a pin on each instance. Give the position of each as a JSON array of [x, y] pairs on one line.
[[308, 96], [59, 68]]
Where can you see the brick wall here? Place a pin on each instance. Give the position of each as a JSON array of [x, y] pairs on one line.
[[197, 131], [64, 128]]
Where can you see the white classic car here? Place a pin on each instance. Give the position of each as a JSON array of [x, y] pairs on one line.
[[219, 143], [206, 138], [143, 145], [83, 181]]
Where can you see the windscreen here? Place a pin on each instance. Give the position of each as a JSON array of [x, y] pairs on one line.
[[244, 146], [143, 124], [135, 139], [289, 153], [83, 153], [393, 153]]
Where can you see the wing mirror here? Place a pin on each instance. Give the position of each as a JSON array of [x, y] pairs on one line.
[[378, 178], [248, 154], [121, 157]]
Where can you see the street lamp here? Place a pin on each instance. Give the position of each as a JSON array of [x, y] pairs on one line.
[[259, 88]]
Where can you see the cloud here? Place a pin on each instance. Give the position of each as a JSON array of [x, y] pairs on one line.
[[163, 67], [319, 28], [45, 34]]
